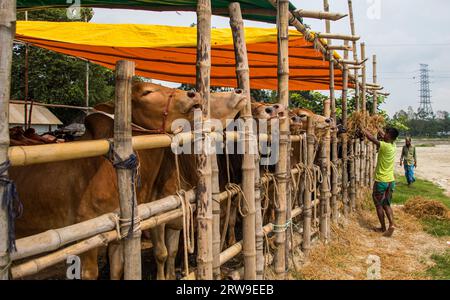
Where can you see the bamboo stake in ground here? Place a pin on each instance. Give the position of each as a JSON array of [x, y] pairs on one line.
[[363, 157], [344, 141], [204, 202], [7, 31], [248, 165], [215, 187], [126, 180], [281, 167], [307, 207]]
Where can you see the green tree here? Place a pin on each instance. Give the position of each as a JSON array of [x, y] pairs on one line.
[[57, 78]]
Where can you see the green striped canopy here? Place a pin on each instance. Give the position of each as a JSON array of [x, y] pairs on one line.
[[264, 11]]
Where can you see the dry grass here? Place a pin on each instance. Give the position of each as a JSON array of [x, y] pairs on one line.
[[357, 120], [405, 256], [422, 208]]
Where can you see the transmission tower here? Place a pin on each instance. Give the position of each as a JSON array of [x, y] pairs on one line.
[[425, 110]]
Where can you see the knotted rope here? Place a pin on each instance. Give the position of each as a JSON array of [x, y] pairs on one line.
[[11, 204], [131, 163]]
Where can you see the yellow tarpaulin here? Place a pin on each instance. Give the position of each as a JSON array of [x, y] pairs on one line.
[[169, 52]]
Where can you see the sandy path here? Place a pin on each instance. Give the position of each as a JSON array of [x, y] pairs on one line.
[[433, 164]]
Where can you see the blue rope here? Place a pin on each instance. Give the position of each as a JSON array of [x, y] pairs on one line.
[[11, 204], [131, 163]]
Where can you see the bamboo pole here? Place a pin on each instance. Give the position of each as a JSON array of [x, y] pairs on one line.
[[345, 47], [307, 207], [281, 167], [334, 141], [374, 110], [204, 202], [125, 178], [336, 36], [248, 164], [259, 234], [356, 146], [344, 139], [325, 156], [364, 149], [216, 217], [7, 32], [322, 15]]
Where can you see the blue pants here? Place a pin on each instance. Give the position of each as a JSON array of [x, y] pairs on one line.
[[409, 173]]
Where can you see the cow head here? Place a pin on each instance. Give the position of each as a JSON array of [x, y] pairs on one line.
[[226, 105], [319, 122], [152, 104], [262, 111], [296, 123]]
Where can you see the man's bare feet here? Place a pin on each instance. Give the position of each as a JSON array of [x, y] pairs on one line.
[[379, 229], [389, 232]]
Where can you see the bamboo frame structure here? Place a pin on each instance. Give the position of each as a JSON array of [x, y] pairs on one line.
[[215, 187], [248, 164], [336, 36], [7, 32], [374, 109], [127, 190], [204, 201], [281, 167]]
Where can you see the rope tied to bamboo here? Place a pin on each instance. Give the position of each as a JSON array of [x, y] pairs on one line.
[[277, 228], [11, 204], [131, 163]]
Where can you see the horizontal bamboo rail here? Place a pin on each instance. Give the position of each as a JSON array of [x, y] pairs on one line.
[[340, 47], [39, 154], [51, 105], [322, 15], [335, 36]]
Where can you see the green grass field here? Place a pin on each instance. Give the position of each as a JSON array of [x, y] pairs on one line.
[[440, 271]]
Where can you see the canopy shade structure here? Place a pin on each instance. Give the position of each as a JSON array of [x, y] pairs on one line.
[[169, 53], [257, 10]]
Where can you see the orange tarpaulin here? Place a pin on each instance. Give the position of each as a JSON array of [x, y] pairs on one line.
[[169, 53]]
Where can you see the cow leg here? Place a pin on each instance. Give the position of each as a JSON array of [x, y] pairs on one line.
[[115, 254], [172, 243], [89, 265], [159, 250]]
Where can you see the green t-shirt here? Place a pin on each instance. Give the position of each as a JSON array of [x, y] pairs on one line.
[[385, 164]]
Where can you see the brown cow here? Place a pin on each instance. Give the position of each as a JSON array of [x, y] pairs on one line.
[[63, 193]]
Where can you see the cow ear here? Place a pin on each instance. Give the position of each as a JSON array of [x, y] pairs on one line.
[[99, 126]]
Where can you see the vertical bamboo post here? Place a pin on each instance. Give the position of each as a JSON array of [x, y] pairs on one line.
[[374, 109], [363, 156], [356, 142], [7, 32], [307, 206], [259, 224], [325, 149], [248, 165], [124, 149], [281, 167], [204, 192], [344, 138], [215, 187]]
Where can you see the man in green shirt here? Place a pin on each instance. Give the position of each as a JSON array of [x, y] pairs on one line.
[[384, 184], [409, 160]]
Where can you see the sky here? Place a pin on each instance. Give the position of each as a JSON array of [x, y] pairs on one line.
[[402, 33]]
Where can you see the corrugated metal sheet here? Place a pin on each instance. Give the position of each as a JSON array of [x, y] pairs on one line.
[[40, 115]]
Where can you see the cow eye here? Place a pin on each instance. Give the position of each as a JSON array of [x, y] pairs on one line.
[[145, 93], [303, 116]]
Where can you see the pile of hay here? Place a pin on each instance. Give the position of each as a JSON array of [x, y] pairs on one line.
[[357, 120], [421, 207]]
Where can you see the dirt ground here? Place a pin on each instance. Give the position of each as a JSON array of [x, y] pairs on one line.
[[433, 164], [349, 255]]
